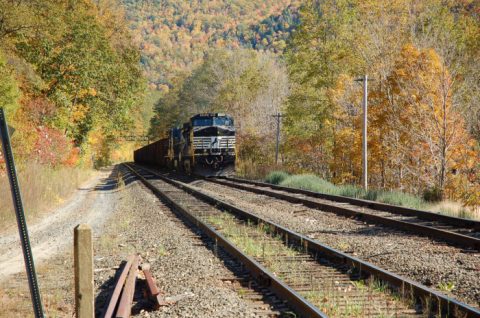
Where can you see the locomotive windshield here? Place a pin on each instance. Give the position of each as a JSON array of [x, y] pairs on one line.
[[213, 121], [222, 121]]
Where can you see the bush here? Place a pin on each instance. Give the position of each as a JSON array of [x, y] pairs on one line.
[[433, 194], [371, 195], [313, 183], [276, 177], [351, 191]]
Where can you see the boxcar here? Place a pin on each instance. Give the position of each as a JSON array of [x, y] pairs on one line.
[[153, 154]]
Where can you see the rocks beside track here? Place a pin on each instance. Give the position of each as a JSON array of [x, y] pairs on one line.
[[187, 272]]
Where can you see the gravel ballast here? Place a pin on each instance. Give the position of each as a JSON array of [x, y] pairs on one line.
[[187, 272], [448, 269]]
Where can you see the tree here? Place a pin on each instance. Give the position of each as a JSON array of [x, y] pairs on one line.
[[431, 131]]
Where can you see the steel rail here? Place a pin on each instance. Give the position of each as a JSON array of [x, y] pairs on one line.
[[418, 229], [283, 291], [425, 215], [440, 303], [112, 304], [125, 304]]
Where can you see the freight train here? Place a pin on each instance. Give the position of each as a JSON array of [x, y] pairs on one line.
[[205, 145]]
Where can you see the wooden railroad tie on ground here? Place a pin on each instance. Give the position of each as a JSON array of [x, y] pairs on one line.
[[120, 304]]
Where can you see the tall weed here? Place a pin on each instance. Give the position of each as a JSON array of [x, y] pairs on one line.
[[310, 182], [276, 177]]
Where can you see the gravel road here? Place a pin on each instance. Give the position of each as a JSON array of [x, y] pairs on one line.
[[90, 204], [434, 264]]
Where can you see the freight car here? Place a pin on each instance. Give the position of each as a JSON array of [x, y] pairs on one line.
[[205, 145]]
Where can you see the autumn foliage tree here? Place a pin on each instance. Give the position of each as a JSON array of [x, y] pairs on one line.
[[422, 103], [419, 123], [74, 71]]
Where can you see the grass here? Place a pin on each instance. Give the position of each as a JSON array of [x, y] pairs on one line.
[[42, 188], [312, 182], [446, 287], [328, 294], [276, 177]]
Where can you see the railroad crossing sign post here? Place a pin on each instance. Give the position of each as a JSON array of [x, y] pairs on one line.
[[277, 146], [364, 138], [22, 224]]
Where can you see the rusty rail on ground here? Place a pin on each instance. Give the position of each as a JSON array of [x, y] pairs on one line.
[[112, 304], [125, 304]]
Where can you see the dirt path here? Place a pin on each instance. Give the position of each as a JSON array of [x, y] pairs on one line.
[[91, 204]]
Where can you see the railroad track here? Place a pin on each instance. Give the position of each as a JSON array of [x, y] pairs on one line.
[[453, 230], [315, 280]]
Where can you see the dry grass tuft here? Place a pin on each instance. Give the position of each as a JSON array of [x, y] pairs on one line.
[[42, 188]]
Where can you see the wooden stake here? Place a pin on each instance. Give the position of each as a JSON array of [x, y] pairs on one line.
[[83, 259]]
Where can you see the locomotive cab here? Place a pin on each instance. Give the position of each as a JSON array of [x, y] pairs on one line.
[[213, 137]]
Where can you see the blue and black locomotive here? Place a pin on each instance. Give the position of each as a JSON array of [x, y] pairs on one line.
[[205, 145]]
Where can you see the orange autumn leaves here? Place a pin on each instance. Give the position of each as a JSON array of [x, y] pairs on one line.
[[417, 135]]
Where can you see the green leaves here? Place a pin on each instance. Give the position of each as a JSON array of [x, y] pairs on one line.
[[9, 92], [93, 83]]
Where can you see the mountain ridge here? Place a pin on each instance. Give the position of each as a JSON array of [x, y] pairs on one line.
[[174, 35]]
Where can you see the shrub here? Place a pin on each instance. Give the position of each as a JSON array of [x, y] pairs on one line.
[[310, 182], [433, 194], [371, 195], [276, 177], [351, 191], [314, 183]]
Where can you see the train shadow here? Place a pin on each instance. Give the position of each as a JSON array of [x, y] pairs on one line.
[[118, 178], [171, 174]]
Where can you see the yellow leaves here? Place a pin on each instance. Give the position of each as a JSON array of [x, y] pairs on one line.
[[86, 92], [79, 112], [92, 91]]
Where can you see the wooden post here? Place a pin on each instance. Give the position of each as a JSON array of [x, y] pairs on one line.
[[83, 258]]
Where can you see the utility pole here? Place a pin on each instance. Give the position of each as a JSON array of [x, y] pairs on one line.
[[277, 116], [365, 124]]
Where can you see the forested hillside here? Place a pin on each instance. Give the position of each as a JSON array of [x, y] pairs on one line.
[[69, 77], [174, 35]]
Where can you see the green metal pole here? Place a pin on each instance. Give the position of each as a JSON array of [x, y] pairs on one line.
[[22, 224]]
